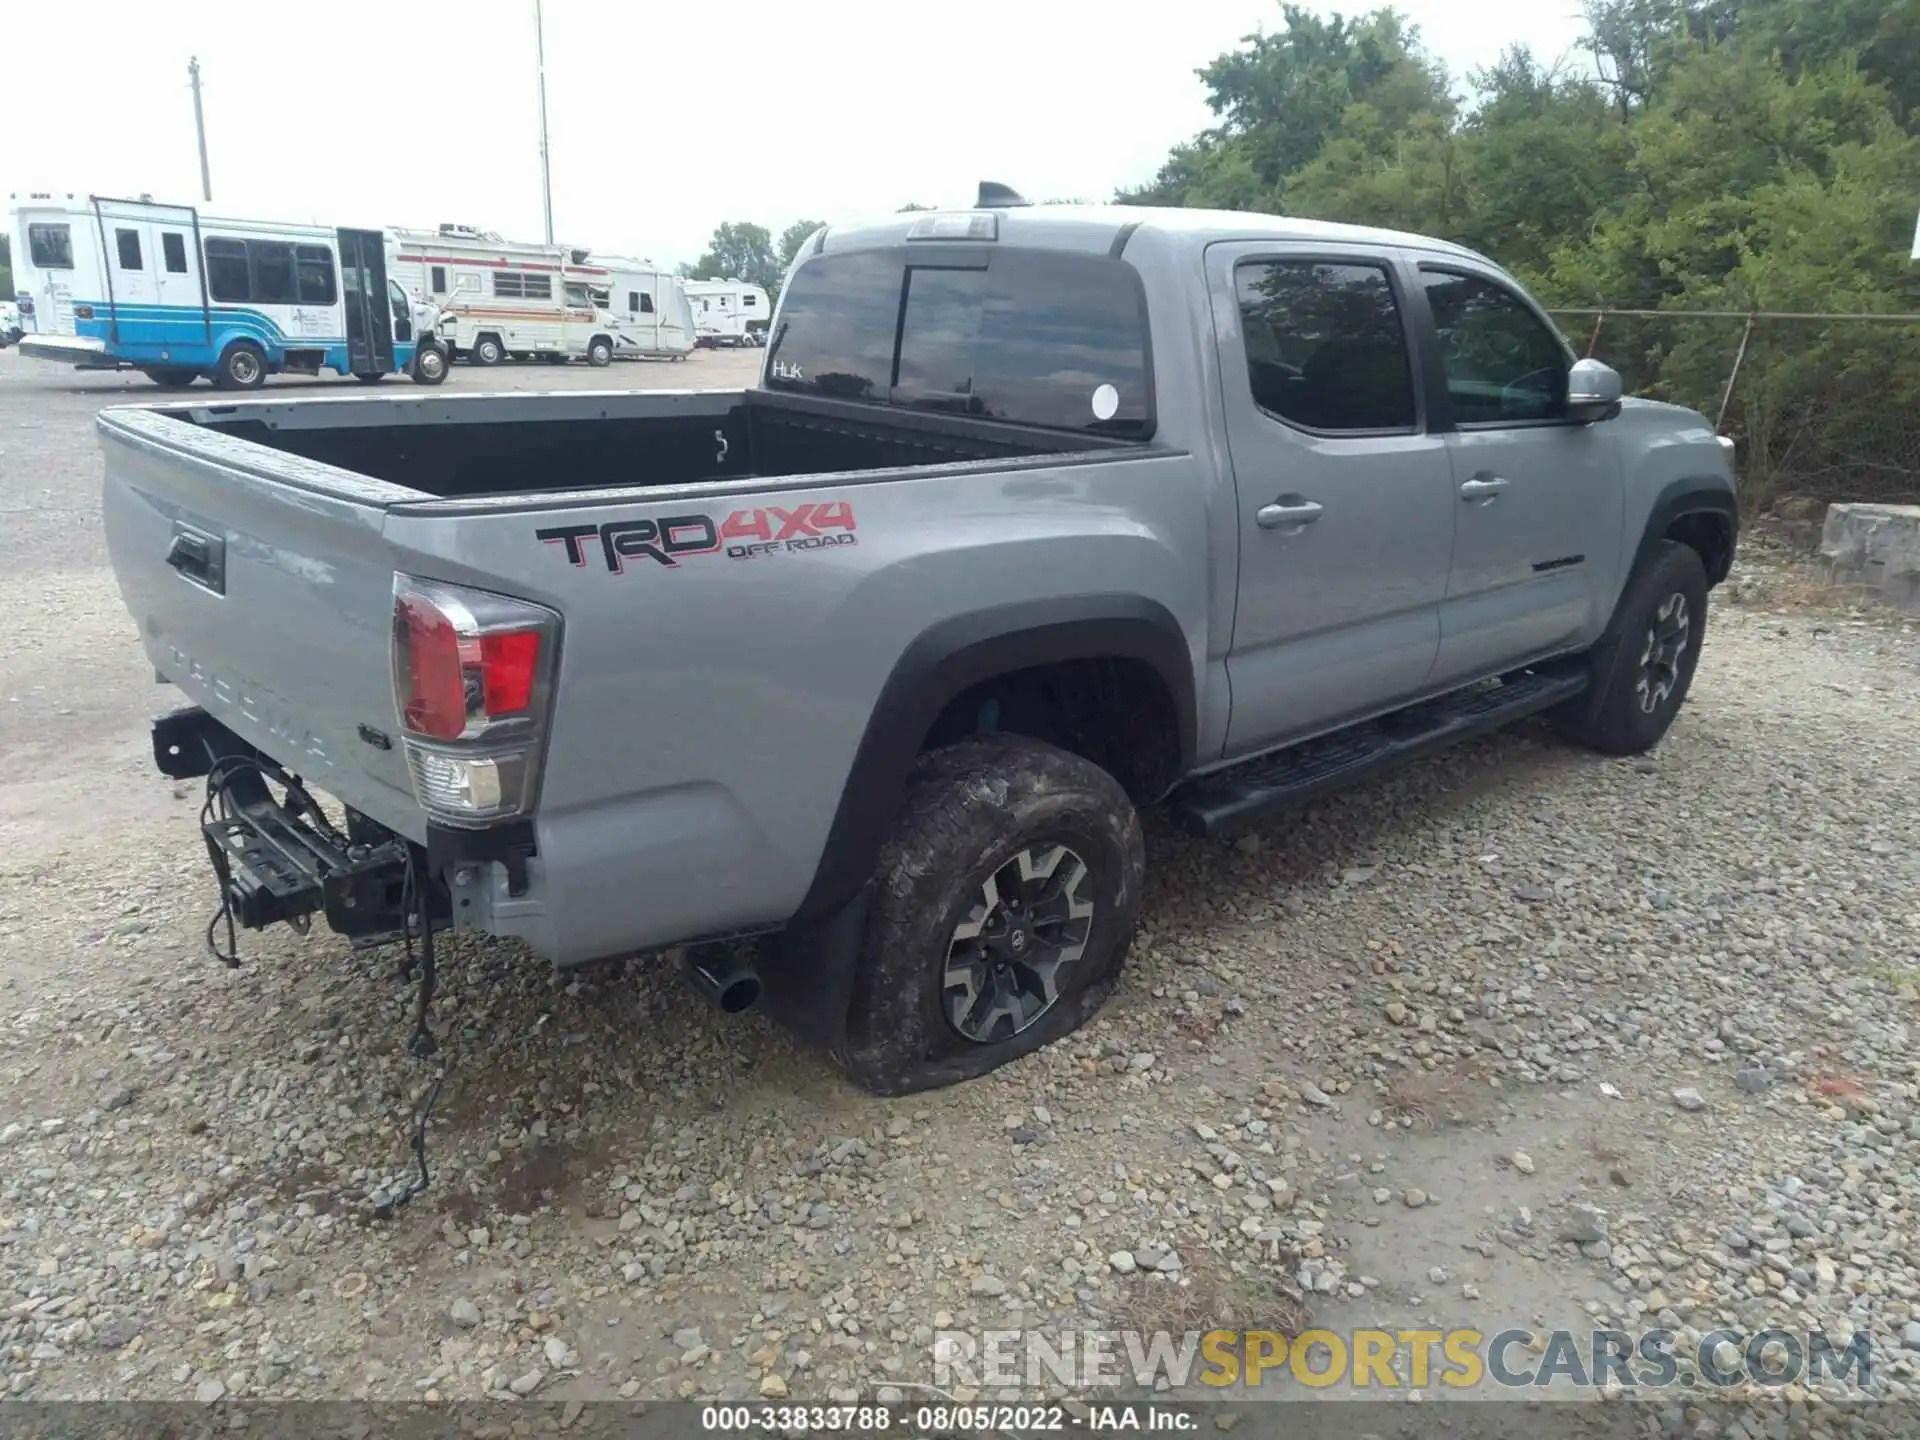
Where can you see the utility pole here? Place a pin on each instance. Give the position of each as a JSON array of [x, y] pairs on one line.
[[546, 171], [200, 129]]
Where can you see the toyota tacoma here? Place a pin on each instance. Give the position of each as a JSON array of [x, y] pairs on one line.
[[850, 687]]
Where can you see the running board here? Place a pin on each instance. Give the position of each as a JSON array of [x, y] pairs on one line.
[[1230, 800]]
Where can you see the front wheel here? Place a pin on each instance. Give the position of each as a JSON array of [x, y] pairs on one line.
[[1643, 666], [600, 352], [1004, 904], [429, 365]]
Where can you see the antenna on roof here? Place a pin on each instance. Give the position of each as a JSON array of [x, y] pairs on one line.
[[995, 196]]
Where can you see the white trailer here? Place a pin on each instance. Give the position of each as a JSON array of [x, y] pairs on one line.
[[729, 312], [502, 299], [652, 318]]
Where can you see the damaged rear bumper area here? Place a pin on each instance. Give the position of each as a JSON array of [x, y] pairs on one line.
[[277, 855]]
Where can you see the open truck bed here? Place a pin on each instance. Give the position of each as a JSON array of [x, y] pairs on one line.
[[462, 446]]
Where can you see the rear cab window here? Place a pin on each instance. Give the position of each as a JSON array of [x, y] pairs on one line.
[[1052, 339]]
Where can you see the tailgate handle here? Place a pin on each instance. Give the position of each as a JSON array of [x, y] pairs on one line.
[[202, 558]]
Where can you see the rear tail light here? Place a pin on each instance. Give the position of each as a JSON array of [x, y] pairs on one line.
[[472, 682]]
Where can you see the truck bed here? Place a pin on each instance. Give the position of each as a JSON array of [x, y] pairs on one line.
[[468, 446]]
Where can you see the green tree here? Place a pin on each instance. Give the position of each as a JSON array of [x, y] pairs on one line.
[[1708, 155], [740, 250], [792, 238], [1284, 96]]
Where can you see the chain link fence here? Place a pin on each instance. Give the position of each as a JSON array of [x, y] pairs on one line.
[[1822, 406]]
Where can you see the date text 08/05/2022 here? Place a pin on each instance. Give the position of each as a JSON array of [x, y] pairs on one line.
[[929, 1420]]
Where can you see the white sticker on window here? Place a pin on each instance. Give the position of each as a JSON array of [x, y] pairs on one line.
[[1106, 402]]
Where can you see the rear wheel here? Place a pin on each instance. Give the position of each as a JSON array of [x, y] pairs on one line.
[[487, 350], [243, 366], [599, 351], [172, 377], [1644, 663], [1005, 901]]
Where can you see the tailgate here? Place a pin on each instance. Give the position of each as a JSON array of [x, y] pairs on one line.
[[263, 589]]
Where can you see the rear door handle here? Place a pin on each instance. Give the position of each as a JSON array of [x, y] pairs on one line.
[[200, 557], [1482, 487], [1287, 510]]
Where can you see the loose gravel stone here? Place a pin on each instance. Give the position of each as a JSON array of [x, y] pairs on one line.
[[1511, 951]]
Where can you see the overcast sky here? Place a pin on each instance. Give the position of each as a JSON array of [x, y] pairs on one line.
[[666, 116]]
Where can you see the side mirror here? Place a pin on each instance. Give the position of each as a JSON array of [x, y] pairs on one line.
[[1593, 391]]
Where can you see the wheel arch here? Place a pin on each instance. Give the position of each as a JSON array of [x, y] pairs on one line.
[[957, 656], [1700, 512]]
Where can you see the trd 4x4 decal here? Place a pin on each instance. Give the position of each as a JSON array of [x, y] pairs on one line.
[[744, 535]]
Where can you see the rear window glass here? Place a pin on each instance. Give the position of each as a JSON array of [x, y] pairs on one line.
[[1035, 338], [50, 246]]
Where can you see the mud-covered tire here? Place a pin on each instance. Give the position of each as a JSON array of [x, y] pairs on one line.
[[971, 811], [1632, 701]]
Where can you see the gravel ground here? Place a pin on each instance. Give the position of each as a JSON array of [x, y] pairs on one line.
[[1519, 1037]]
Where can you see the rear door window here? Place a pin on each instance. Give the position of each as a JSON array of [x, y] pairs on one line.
[[1038, 338], [1326, 350], [50, 247]]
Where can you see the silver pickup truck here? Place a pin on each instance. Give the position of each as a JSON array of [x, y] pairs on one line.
[[849, 686]]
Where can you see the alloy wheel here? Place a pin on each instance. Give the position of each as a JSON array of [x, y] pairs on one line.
[[1030, 920]]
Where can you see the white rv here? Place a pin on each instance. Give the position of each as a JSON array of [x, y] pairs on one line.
[[729, 312], [652, 319], [503, 300]]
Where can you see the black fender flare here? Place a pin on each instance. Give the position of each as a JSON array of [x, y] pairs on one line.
[[1679, 499], [948, 659]]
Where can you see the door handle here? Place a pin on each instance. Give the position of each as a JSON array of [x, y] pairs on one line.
[[1482, 487], [1288, 510], [200, 558]]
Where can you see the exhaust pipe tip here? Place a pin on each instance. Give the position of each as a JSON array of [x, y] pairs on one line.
[[722, 978]]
